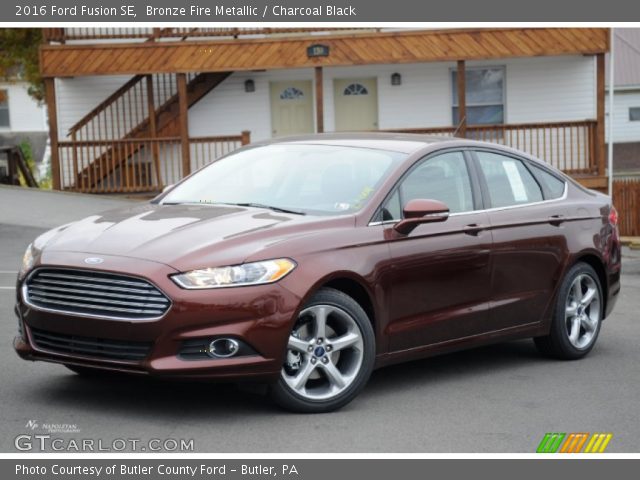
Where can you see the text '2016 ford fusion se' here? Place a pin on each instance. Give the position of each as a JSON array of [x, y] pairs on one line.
[[307, 262]]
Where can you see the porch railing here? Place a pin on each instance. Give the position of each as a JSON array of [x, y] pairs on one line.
[[62, 35], [136, 164], [569, 146]]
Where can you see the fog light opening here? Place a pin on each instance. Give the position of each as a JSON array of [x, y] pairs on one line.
[[223, 348]]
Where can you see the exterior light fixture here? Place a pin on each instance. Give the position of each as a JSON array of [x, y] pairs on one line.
[[396, 79], [249, 86]]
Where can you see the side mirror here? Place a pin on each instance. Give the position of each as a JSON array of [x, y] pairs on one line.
[[167, 188], [419, 211]]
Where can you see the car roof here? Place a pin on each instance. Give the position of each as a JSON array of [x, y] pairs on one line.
[[407, 143], [396, 142]]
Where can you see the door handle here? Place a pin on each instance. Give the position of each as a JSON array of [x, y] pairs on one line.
[[557, 220], [473, 229]]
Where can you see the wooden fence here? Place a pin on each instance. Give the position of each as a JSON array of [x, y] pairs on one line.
[[136, 164], [626, 198], [569, 146]]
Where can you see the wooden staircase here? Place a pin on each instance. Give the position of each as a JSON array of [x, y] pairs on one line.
[[123, 115]]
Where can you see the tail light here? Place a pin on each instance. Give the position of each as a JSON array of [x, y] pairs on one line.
[[613, 216]]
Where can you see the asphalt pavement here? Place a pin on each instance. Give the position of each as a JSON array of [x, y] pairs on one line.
[[502, 398]]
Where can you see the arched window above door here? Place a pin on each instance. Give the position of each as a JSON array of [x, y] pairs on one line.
[[355, 89], [291, 93]]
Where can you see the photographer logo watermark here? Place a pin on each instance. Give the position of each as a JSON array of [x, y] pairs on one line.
[[582, 442], [33, 425]]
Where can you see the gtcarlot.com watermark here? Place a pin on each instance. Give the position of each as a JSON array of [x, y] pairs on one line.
[[50, 443]]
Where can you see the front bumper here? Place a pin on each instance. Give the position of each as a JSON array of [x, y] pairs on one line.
[[260, 316]]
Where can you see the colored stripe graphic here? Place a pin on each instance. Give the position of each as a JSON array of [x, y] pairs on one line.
[[550, 442], [573, 442], [598, 443]]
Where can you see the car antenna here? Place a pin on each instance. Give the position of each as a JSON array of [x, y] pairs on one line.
[[464, 119]]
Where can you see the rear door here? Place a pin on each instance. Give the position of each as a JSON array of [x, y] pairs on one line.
[[527, 222], [441, 277]]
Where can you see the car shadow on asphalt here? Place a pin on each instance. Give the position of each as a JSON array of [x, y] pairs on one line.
[[151, 396]]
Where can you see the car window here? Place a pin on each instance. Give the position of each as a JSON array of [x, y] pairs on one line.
[[443, 177], [554, 187], [508, 180], [315, 179], [392, 209]]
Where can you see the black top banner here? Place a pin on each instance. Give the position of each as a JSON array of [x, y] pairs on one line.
[[181, 11]]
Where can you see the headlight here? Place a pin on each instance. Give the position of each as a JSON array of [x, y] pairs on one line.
[[255, 273], [28, 259]]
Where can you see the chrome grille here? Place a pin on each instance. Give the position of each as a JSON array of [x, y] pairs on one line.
[[96, 294], [90, 346]]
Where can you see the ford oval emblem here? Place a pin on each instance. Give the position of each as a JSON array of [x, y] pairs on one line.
[[93, 260]]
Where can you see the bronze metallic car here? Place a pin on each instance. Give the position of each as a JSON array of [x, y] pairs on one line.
[[305, 263]]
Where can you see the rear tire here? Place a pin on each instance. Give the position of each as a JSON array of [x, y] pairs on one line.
[[577, 315], [330, 355]]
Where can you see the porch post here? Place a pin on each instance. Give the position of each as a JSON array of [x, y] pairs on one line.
[[319, 100], [184, 124], [153, 131], [52, 113], [600, 140], [461, 82]]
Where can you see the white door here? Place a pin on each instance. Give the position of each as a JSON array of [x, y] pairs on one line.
[[291, 108], [356, 104]]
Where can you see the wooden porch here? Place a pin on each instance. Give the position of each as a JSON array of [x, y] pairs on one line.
[[137, 139]]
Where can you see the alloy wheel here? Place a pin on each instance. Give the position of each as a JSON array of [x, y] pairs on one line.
[[324, 353], [582, 311]]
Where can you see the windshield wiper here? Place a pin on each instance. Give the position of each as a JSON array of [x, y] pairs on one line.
[[270, 207]]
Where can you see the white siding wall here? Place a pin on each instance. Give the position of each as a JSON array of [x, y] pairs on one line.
[[76, 96], [624, 130], [25, 115], [537, 90], [550, 89]]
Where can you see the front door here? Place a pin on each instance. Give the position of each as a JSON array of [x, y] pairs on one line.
[[356, 104], [441, 280], [291, 108]]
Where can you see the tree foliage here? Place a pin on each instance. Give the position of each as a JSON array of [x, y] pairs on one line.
[[19, 57]]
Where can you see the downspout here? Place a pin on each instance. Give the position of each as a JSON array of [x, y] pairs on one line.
[[611, 90]]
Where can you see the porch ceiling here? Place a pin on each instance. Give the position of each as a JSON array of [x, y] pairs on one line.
[[345, 49]]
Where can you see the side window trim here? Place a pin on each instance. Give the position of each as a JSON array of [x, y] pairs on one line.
[[479, 201], [376, 218]]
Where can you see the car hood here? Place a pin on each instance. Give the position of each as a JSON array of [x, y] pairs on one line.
[[186, 236]]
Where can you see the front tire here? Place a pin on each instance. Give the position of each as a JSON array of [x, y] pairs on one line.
[[577, 317], [330, 355]]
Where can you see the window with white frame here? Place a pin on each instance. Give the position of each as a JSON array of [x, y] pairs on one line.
[[485, 93], [634, 114], [4, 109]]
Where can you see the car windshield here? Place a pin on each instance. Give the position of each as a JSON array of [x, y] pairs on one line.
[[314, 179]]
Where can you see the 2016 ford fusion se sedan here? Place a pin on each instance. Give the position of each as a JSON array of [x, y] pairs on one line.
[[307, 262]]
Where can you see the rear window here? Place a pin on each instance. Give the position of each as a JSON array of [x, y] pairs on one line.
[[553, 186]]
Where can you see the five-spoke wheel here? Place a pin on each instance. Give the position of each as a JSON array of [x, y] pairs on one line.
[[577, 317], [329, 357], [582, 312]]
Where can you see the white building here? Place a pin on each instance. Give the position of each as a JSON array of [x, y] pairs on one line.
[[626, 112], [533, 89], [22, 118]]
